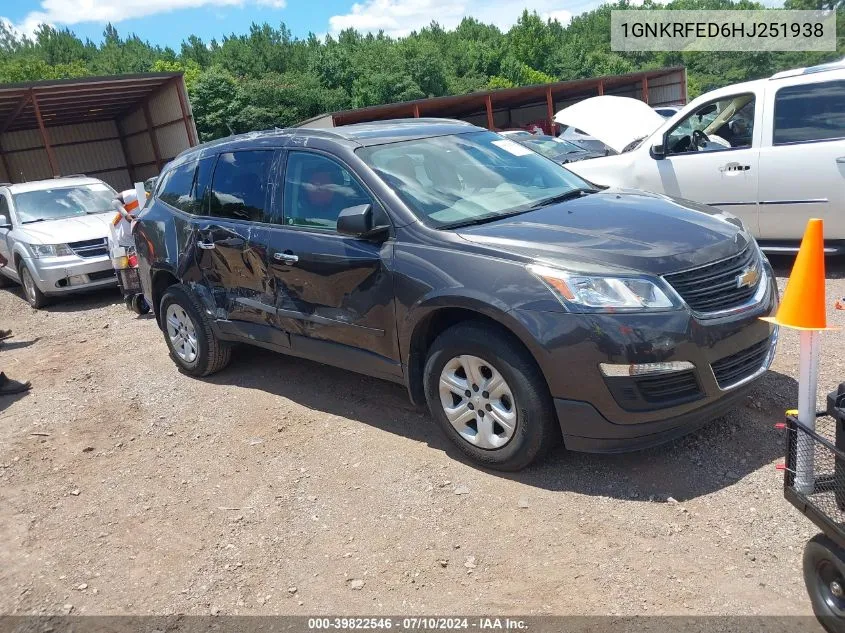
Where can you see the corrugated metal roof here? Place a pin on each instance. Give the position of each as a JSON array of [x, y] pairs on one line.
[[67, 101], [475, 103]]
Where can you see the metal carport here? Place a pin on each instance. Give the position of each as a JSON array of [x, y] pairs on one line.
[[121, 129]]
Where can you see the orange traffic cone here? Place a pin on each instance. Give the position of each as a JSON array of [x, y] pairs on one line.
[[803, 305]]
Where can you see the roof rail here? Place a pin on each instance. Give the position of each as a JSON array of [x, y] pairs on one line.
[[839, 64]]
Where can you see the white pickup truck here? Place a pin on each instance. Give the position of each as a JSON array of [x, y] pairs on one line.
[[770, 151]]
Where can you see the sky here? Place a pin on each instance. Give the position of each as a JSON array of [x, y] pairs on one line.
[[168, 22]]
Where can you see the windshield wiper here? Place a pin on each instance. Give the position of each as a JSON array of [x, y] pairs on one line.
[[563, 197], [34, 221], [492, 217]]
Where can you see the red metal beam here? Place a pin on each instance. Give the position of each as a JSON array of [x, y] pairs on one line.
[[51, 158], [645, 88], [550, 109], [488, 103], [153, 138], [601, 87], [16, 112], [684, 86], [416, 110], [183, 104]]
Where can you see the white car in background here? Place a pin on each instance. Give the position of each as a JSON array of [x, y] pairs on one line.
[[54, 235], [771, 151]]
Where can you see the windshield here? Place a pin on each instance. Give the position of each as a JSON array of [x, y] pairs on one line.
[[63, 202], [551, 147], [449, 180]]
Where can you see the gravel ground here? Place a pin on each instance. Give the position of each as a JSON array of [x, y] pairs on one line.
[[281, 486]]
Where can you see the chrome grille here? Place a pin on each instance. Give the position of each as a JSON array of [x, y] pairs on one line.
[[714, 287], [90, 248]]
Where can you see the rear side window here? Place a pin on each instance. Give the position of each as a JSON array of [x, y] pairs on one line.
[[810, 112], [4, 207], [240, 187], [177, 185]]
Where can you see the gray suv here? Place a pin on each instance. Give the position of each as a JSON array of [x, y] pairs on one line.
[[516, 300], [54, 234]]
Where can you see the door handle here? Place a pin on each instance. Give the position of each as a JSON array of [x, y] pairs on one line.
[[206, 245], [288, 258], [841, 160], [734, 167]]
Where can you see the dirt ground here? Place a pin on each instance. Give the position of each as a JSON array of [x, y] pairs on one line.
[[281, 486]]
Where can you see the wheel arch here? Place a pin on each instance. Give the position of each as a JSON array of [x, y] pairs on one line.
[[436, 315], [161, 279]]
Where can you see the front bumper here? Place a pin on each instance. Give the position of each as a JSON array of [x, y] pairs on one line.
[[595, 418], [62, 275]]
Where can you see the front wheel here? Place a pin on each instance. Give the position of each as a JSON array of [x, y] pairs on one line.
[[824, 576], [489, 397], [34, 296], [189, 336]]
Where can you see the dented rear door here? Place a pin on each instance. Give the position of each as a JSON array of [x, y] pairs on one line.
[[232, 240]]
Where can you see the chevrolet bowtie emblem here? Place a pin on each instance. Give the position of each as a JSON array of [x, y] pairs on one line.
[[747, 277]]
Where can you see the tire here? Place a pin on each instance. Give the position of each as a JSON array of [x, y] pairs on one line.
[[210, 355], [534, 428], [139, 305], [824, 564], [34, 296]]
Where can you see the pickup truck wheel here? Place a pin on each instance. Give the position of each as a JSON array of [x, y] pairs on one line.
[[824, 577], [34, 296], [189, 336], [489, 397]]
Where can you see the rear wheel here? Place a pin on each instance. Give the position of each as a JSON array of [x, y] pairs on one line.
[[139, 305], [824, 576], [489, 397], [189, 336], [36, 298]]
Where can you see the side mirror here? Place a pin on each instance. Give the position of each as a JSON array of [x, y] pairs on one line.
[[658, 151], [4, 222], [357, 221]]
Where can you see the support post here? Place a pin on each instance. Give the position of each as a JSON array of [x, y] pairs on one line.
[[488, 102], [183, 104], [153, 138], [130, 168], [645, 88], [808, 374], [550, 109], [45, 138], [684, 86], [601, 87], [5, 162], [416, 111]]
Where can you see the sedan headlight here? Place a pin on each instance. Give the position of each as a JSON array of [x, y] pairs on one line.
[[50, 250], [597, 293]]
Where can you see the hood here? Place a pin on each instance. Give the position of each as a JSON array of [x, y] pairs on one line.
[[66, 230], [615, 121], [613, 231]]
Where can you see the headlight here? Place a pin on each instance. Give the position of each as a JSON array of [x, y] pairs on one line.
[[596, 293], [50, 250]]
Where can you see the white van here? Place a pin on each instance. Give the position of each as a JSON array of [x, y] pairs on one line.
[[770, 151]]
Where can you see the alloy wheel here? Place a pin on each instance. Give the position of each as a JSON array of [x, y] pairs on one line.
[[181, 332], [28, 284], [478, 402]]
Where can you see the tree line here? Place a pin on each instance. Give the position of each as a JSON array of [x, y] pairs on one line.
[[268, 77]]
